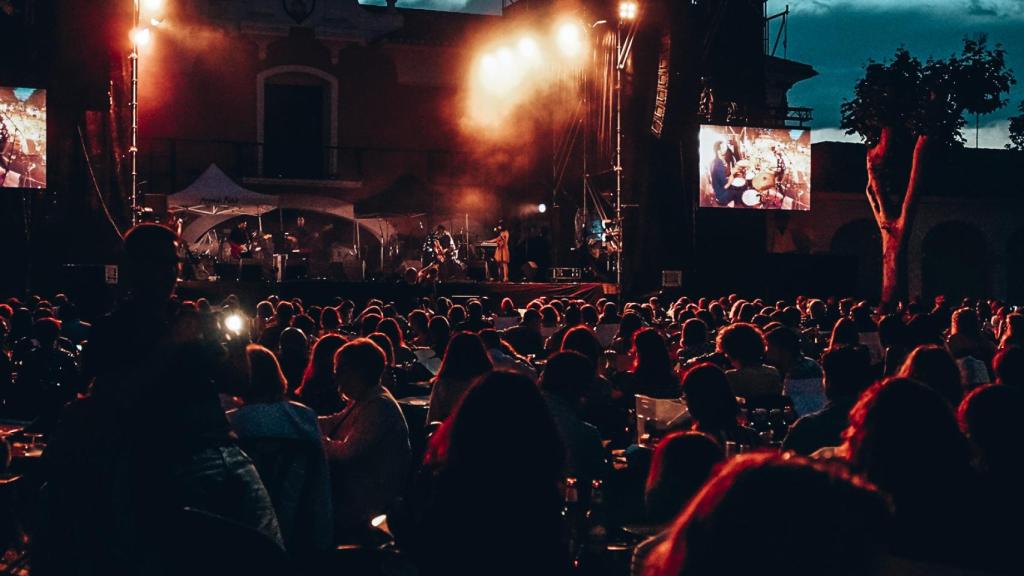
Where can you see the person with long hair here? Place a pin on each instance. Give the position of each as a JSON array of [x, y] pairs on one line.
[[778, 514], [934, 367], [487, 511], [652, 373], [318, 390], [681, 464], [265, 424], [465, 360], [903, 437]]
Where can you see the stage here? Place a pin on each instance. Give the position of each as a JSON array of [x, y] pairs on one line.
[[402, 294]]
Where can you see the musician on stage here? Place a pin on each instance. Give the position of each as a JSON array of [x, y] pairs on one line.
[[445, 243], [721, 175], [501, 251], [239, 239], [300, 237]]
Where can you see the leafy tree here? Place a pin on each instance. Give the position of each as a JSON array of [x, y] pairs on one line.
[[1017, 130], [904, 109]]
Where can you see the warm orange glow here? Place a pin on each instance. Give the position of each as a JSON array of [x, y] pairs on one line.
[[152, 5], [628, 10], [141, 37], [570, 39]]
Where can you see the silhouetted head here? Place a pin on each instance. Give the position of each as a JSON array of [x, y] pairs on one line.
[[151, 262]]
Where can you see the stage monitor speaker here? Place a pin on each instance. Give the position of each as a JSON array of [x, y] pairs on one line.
[[530, 270], [671, 278]]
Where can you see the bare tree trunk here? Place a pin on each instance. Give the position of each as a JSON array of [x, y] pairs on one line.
[[893, 288], [895, 216]]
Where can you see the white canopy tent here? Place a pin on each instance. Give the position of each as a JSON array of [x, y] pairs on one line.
[[214, 193]]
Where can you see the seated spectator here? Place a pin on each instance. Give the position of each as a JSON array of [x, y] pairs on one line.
[[652, 374], [712, 406], [330, 321], [403, 354], [419, 323], [571, 319], [904, 438], [47, 379], [507, 309], [847, 374], [744, 347], [284, 442], [1013, 331], [318, 389], [682, 463], [1008, 366], [801, 376], [149, 440], [564, 384], [830, 521], [892, 336], [367, 443], [526, 338], [440, 332], [293, 352], [630, 324], [610, 313], [486, 505], [283, 315], [988, 417], [693, 341], [966, 339], [503, 356], [465, 360], [71, 325], [933, 366], [844, 333], [475, 321]]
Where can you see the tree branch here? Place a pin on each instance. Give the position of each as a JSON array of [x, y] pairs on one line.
[[913, 192]]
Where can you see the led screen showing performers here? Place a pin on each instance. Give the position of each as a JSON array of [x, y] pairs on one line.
[[22, 138], [757, 168]]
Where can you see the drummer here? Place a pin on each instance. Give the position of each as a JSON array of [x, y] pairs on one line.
[[721, 176]]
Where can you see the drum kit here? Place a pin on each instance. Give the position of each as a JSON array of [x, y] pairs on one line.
[[760, 189]]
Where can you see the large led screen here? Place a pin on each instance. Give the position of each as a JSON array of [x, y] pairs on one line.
[[755, 168], [22, 138]]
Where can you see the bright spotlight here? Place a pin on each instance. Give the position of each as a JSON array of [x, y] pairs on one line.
[[507, 60], [542, 208], [234, 323], [140, 36], [528, 47], [570, 39], [628, 10], [153, 5]]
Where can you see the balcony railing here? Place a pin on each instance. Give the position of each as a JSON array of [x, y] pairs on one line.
[[168, 165]]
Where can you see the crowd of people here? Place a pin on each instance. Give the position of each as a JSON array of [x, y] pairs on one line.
[[813, 436]]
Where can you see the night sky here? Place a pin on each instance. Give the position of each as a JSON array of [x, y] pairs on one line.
[[838, 36]]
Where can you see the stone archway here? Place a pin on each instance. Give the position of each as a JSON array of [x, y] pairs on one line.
[[862, 240], [955, 261]]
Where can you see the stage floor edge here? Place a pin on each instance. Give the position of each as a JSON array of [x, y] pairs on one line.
[[324, 291]]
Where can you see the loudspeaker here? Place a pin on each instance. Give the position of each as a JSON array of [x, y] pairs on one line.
[[671, 278], [530, 270]]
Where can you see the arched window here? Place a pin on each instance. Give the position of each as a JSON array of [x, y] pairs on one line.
[[297, 122]]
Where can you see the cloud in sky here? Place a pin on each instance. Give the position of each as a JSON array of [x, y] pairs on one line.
[[838, 37], [961, 8]]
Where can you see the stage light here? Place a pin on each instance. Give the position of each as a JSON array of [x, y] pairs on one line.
[[153, 5], [528, 48], [542, 208], [570, 39], [628, 10], [234, 323], [140, 36]]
